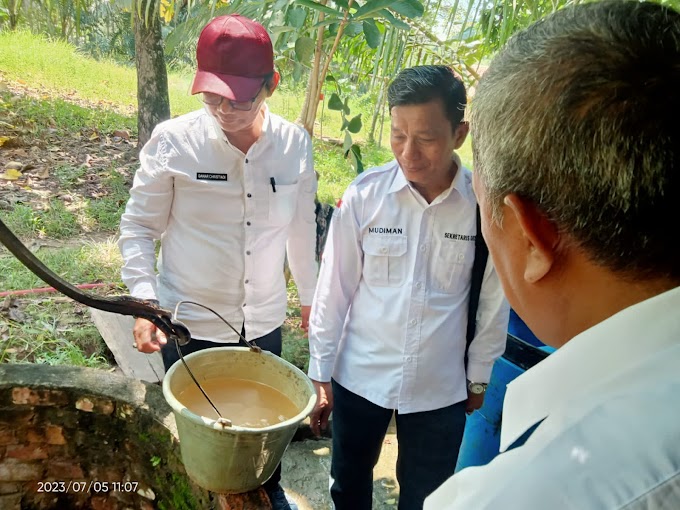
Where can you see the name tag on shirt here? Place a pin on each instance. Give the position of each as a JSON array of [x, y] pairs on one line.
[[459, 237], [211, 177]]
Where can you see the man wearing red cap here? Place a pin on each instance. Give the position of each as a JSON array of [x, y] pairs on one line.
[[228, 190]]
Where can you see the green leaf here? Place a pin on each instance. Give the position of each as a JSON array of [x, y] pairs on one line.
[[355, 158], [319, 7], [345, 107], [371, 7], [304, 49], [342, 3], [354, 125], [335, 103], [281, 29], [297, 71], [347, 144], [372, 33], [408, 8], [330, 77], [353, 29], [297, 16], [396, 23]]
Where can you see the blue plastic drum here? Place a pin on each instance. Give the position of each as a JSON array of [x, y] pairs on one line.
[[482, 431]]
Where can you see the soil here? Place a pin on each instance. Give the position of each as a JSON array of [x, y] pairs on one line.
[[306, 467]]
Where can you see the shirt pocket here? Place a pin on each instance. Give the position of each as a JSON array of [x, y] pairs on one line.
[[282, 203], [385, 260], [452, 266]]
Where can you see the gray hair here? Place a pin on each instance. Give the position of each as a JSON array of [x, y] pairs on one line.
[[579, 114]]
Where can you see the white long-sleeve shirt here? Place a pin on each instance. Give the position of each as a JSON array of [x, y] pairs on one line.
[[609, 439], [390, 310], [223, 229]]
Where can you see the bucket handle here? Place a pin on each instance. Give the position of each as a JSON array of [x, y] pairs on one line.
[[222, 420]]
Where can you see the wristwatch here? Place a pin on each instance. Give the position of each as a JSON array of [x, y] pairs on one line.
[[476, 388]]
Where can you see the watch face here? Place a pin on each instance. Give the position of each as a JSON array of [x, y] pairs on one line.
[[476, 388]]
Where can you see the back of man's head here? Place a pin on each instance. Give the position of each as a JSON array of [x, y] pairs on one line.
[[579, 114], [422, 84]]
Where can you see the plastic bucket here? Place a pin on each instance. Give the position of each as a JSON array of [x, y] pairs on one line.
[[235, 459]]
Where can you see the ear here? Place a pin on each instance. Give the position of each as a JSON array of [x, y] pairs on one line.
[[540, 237], [273, 83], [460, 134]]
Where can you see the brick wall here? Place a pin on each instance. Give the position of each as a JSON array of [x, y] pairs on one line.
[[73, 438]]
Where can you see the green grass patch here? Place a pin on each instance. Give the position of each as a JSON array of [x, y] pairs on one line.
[[89, 263], [48, 332]]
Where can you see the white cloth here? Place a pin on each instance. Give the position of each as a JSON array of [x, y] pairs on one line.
[[611, 435], [390, 310], [223, 228]]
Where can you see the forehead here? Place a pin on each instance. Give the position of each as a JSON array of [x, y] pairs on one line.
[[426, 117]]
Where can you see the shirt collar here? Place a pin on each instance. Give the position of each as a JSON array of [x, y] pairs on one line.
[[460, 183], [587, 361]]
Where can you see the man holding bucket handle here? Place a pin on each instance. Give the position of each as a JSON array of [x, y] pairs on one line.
[[228, 189], [577, 171], [388, 323]]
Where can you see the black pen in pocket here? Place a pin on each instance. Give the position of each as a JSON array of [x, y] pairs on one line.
[[273, 183]]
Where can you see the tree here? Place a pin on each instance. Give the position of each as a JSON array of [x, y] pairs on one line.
[[153, 102]]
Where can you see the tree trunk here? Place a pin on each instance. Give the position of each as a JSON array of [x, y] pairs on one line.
[[153, 103]]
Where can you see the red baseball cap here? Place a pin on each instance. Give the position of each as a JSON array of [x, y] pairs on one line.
[[234, 54]]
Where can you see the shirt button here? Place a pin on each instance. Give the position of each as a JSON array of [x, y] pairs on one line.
[[247, 253], [418, 285], [423, 247], [249, 195], [409, 359], [383, 249], [413, 322], [246, 160], [246, 281], [248, 223], [244, 305]]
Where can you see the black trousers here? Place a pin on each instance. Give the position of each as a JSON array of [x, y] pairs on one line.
[[270, 342], [428, 450]]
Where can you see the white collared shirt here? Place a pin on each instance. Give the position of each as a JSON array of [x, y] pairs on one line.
[[223, 228], [390, 309], [610, 439]]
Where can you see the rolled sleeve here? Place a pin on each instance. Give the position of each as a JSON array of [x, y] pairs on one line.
[[490, 337]]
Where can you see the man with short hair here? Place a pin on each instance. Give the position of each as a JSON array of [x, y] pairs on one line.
[[577, 172], [229, 190], [390, 310]]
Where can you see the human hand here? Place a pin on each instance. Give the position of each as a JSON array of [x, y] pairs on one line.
[[474, 402], [322, 409], [305, 311], [148, 338]]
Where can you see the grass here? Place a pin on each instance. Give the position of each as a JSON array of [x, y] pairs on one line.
[[54, 336], [92, 262]]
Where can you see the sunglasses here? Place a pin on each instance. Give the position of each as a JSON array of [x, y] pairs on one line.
[[216, 100]]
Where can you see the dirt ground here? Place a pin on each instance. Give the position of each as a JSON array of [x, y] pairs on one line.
[[307, 463]]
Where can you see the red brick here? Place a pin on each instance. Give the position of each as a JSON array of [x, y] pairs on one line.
[[14, 470], [27, 396], [85, 404], [93, 404], [10, 501], [31, 452], [103, 503], [254, 499], [35, 435], [7, 436], [9, 488], [54, 435], [64, 471]]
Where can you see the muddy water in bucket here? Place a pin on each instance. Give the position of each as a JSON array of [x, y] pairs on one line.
[[246, 403], [237, 458]]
